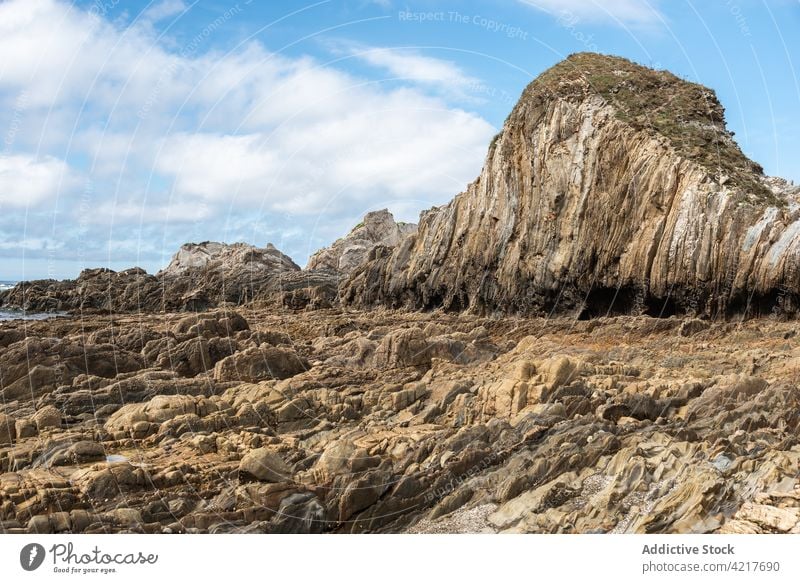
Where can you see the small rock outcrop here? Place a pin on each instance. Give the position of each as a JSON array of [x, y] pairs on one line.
[[349, 252], [260, 363], [263, 465], [234, 259], [199, 277], [98, 289], [203, 275]]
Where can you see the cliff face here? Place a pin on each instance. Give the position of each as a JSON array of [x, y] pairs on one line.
[[611, 188], [347, 253]]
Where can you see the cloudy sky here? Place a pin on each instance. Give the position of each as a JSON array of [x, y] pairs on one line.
[[130, 127]]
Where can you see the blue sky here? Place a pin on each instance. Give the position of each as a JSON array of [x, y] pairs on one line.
[[131, 127]]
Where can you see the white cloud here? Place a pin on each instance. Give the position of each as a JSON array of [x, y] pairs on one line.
[[216, 167], [384, 149], [57, 53], [152, 212], [199, 138], [25, 181], [410, 65], [164, 9], [620, 12], [29, 244]]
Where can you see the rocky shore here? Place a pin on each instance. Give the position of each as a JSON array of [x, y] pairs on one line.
[[328, 421]]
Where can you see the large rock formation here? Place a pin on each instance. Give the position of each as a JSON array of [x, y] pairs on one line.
[[611, 188], [348, 253]]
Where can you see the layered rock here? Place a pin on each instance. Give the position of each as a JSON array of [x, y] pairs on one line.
[[231, 261], [349, 252], [97, 289], [610, 188]]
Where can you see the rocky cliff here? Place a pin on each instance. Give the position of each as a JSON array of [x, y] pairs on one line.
[[346, 254], [610, 188]]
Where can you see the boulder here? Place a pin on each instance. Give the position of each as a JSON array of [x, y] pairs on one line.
[[264, 465], [159, 409], [103, 482], [334, 460], [560, 371], [196, 355], [8, 432], [47, 416], [403, 347], [260, 363], [362, 493], [210, 324], [36, 366], [25, 428], [729, 390]]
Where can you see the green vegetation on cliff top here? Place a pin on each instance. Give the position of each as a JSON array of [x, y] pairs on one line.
[[689, 115]]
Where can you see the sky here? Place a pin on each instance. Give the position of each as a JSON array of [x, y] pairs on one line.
[[132, 127]]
